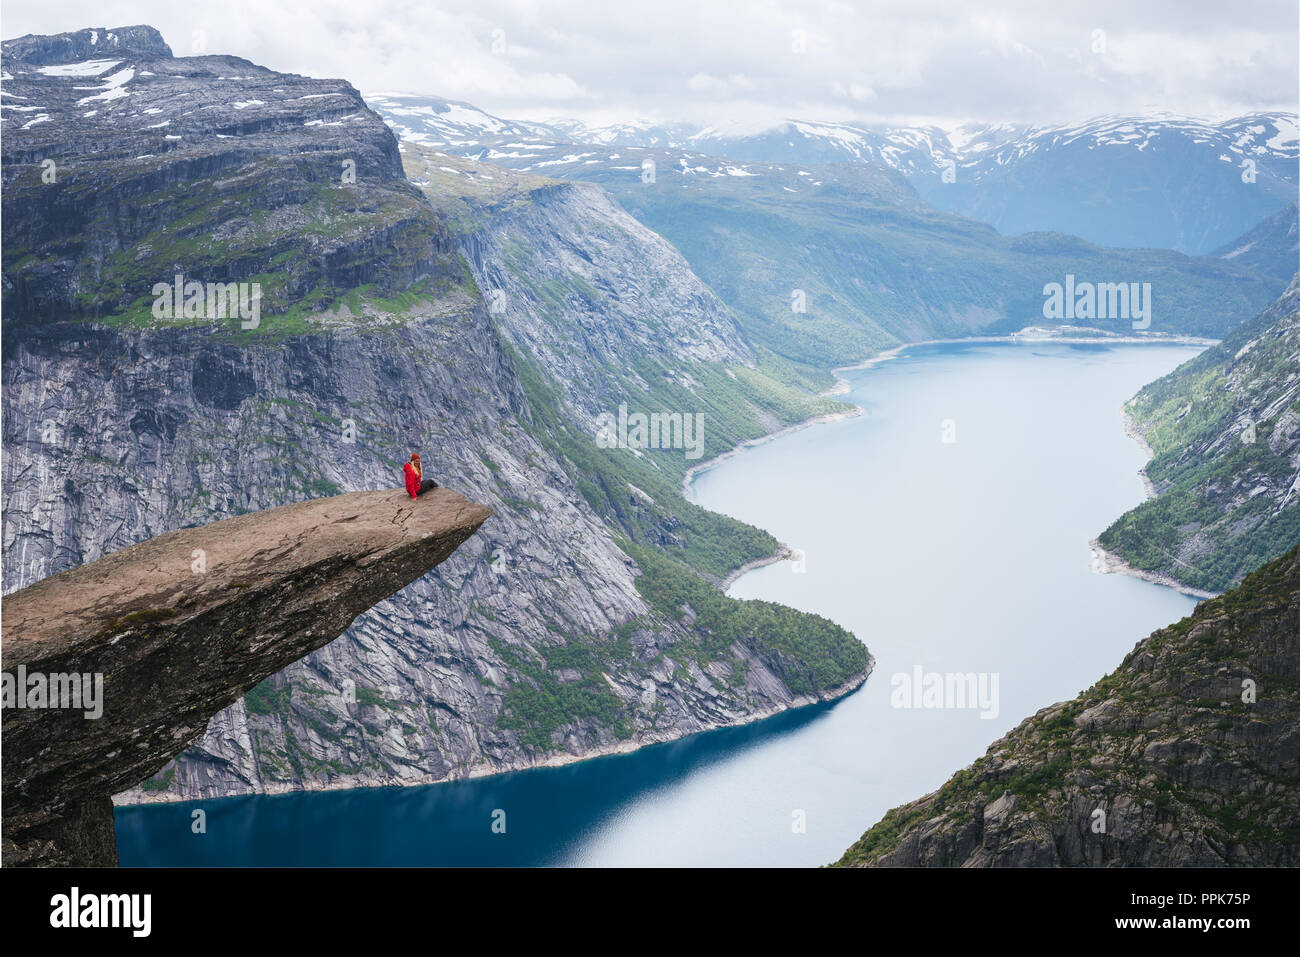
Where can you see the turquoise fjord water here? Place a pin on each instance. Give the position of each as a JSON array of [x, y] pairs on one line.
[[966, 556]]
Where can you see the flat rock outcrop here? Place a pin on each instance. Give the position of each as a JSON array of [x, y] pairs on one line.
[[180, 627]]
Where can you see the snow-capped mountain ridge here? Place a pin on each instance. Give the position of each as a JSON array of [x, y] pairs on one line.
[[1156, 180], [1275, 133]]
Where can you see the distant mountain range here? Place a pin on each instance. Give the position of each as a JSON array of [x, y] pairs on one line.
[[1152, 181], [827, 264]]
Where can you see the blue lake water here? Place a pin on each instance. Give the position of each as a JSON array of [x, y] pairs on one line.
[[947, 527]]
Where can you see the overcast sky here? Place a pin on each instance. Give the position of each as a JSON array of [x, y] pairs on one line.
[[714, 63]]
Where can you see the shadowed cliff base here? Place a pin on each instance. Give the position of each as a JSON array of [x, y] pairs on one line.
[[179, 627], [1188, 754]]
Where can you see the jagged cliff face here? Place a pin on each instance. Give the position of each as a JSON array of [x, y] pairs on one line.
[[580, 286], [1187, 754], [1225, 432], [533, 642]]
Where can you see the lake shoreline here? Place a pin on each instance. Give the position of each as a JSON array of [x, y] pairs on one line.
[[781, 554], [689, 478], [1134, 433], [137, 798], [842, 386], [657, 811], [1105, 562]]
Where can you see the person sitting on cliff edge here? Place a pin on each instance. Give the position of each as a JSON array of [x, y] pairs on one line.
[[416, 483]]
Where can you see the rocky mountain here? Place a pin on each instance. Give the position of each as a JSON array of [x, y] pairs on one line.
[[1272, 246], [150, 642], [1224, 429], [450, 123], [583, 619], [1186, 755], [1158, 181], [579, 285], [107, 131]]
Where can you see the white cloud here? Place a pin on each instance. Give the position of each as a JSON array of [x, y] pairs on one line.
[[721, 87], [716, 61], [854, 91]]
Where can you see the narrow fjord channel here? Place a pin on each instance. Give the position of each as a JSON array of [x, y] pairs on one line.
[[947, 527]]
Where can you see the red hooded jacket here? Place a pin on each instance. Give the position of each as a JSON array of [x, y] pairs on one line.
[[412, 479]]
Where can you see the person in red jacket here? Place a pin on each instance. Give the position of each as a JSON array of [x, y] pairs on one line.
[[416, 483]]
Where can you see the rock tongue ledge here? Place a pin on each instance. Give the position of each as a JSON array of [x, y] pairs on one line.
[[181, 626]]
